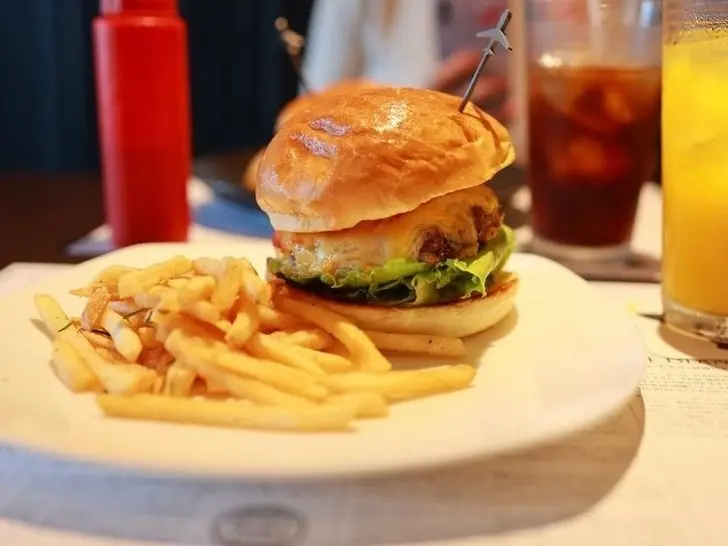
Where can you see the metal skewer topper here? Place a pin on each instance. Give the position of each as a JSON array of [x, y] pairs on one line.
[[293, 43], [496, 35]]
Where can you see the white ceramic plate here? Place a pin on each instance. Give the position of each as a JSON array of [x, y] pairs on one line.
[[562, 361]]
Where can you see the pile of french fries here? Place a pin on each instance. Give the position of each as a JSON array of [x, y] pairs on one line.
[[207, 341]]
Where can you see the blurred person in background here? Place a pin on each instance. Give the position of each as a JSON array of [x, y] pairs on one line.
[[415, 43]]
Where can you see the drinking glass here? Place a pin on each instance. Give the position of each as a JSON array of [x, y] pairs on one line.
[[695, 167], [593, 121]]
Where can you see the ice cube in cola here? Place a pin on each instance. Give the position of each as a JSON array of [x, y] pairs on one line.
[[592, 132]]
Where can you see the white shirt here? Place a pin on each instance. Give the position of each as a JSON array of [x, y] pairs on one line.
[[346, 39]]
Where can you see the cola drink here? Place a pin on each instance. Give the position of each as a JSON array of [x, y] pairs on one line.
[[593, 134]]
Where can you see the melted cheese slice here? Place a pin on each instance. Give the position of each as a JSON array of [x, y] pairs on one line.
[[372, 243]]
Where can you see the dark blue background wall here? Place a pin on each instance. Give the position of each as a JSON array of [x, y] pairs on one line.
[[239, 78]]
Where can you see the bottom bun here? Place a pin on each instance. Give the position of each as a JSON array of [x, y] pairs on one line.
[[459, 319]]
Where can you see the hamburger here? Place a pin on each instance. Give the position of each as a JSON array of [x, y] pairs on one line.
[[301, 102], [382, 213]]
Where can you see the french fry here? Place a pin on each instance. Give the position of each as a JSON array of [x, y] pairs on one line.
[[330, 363], [99, 340], [245, 325], [159, 382], [69, 367], [125, 339], [107, 278], [158, 359], [197, 288], [148, 337], [94, 309], [246, 389], [124, 307], [273, 319], [178, 381], [314, 338], [404, 385], [111, 275], [135, 282], [366, 404], [217, 345], [190, 326], [228, 285], [207, 266], [450, 347], [265, 347], [275, 374], [256, 288], [199, 388], [59, 326], [123, 378], [115, 378], [362, 350], [176, 284], [199, 309], [138, 318], [223, 325], [168, 301], [339, 349], [207, 412], [162, 298], [111, 355], [200, 360], [214, 387], [52, 315]]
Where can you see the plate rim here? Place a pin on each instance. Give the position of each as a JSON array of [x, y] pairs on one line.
[[542, 436]]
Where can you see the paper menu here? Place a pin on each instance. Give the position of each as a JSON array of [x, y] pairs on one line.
[[650, 475]]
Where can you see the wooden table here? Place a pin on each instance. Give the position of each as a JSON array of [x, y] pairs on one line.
[[40, 214]]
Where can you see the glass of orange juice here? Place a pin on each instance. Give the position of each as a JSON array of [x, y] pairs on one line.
[[695, 167]]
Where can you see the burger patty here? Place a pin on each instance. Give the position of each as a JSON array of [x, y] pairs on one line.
[[455, 225], [437, 247]]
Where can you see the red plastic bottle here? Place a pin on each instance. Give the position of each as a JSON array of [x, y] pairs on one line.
[[142, 87]]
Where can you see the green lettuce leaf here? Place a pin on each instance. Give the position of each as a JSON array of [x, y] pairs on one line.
[[408, 282]]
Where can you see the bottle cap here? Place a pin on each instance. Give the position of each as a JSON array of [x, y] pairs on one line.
[[151, 7]]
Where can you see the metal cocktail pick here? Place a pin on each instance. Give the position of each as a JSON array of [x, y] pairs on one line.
[[496, 35], [293, 42]]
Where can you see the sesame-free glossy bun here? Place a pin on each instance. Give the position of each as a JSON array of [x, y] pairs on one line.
[[458, 319], [303, 101], [373, 154]]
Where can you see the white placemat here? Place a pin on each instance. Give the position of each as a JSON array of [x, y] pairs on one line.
[[652, 475], [20, 274]]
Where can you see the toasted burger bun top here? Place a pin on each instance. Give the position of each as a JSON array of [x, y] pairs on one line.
[[374, 154], [301, 102], [457, 319]]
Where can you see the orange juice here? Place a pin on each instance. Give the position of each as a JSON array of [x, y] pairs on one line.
[[695, 172]]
